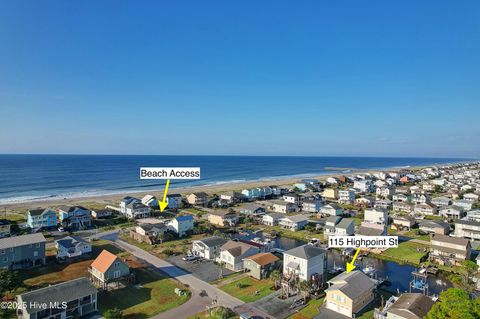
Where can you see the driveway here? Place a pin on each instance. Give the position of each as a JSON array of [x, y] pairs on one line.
[[203, 269]]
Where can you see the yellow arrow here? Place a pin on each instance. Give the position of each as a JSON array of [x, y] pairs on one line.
[[164, 203], [351, 265]]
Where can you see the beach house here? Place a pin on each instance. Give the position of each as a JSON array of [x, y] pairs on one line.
[[281, 206], [452, 212], [150, 201], [467, 229], [311, 205], [346, 196], [198, 199], [208, 248], [434, 227], [41, 218], [293, 223], [223, 218], [174, 201], [71, 247], [349, 293], [75, 217], [450, 251], [232, 254], [136, 209], [305, 262], [251, 209], [21, 252], [70, 299], [181, 225], [272, 219], [261, 265], [107, 270], [331, 210]]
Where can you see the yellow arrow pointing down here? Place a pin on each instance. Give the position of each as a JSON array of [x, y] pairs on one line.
[[164, 203], [351, 265]]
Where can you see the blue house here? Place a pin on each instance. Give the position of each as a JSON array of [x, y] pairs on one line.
[[41, 218]]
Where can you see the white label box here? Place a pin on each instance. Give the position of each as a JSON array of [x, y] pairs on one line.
[[169, 172], [363, 241]]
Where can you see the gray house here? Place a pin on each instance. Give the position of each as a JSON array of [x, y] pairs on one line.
[[22, 251], [70, 299]]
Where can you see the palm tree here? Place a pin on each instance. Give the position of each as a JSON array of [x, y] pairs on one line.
[[276, 276], [304, 288]]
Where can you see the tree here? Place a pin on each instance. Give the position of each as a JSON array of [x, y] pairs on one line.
[[304, 288], [9, 281], [470, 270], [455, 303], [113, 313], [276, 276]]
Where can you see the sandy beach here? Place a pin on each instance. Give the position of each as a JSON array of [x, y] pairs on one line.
[[100, 201]]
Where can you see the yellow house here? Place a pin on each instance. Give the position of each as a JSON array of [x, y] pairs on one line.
[[330, 193], [222, 218], [348, 293]]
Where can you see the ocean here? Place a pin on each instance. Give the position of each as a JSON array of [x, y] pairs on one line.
[[36, 177]]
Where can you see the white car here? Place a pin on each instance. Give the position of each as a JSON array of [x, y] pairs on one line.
[[61, 229], [189, 257]]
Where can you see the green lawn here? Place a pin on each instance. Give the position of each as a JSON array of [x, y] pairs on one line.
[[151, 295], [310, 311], [245, 288], [406, 252]]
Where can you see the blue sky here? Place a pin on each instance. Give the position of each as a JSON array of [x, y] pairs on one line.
[[389, 78]]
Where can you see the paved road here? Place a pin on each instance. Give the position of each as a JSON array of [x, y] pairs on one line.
[[202, 292]]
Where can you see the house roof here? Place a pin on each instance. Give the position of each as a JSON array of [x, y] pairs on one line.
[[263, 259], [411, 306], [236, 248], [467, 222], [345, 222], [213, 241], [221, 213], [200, 194], [296, 218], [333, 219], [434, 223], [450, 240], [70, 241], [39, 211], [104, 261], [352, 284], [63, 292], [369, 231], [306, 251], [69, 209], [23, 240], [184, 218]]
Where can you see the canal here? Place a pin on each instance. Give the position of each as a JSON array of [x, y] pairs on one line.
[[399, 275]]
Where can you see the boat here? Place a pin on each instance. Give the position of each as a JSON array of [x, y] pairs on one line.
[[369, 270], [336, 269], [314, 242]]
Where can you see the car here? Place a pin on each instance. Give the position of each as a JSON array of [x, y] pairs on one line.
[[61, 229], [189, 258]]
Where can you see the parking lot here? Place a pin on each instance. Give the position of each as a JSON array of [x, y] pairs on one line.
[[205, 270]]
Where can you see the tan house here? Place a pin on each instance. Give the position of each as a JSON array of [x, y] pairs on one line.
[[450, 251], [198, 199], [261, 265], [223, 218], [349, 293], [330, 193], [402, 222], [434, 227]]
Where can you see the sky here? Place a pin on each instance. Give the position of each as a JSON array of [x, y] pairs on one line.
[[353, 78]]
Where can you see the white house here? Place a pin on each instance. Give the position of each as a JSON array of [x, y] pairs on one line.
[[346, 196], [136, 210], [293, 223], [71, 247], [272, 219], [208, 248], [331, 210], [304, 262], [281, 206], [150, 201], [232, 254], [364, 186], [181, 224], [312, 205], [376, 216]]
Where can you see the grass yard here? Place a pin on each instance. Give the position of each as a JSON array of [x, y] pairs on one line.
[[310, 311], [245, 288], [406, 252], [151, 295], [55, 273]]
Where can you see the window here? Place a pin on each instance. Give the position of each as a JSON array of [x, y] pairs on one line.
[[3, 251], [37, 245], [5, 259]]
